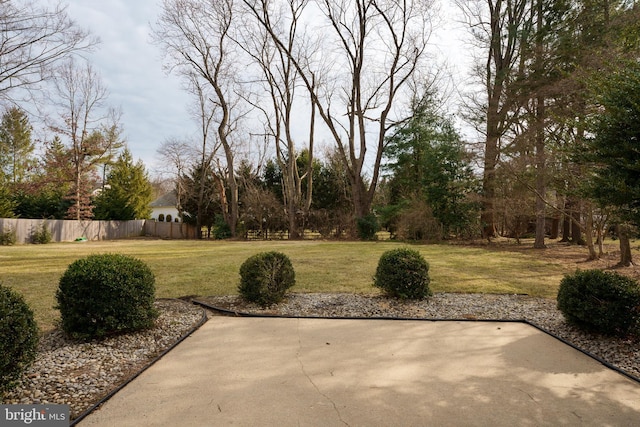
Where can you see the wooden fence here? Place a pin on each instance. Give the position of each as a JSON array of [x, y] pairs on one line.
[[68, 231], [169, 230]]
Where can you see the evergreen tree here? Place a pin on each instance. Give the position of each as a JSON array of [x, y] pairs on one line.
[[43, 195], [127, 193], [613, 134], [613, 150], [7, 204], [272, 178], [16, 147], [331, 209], [192, 204], [427, 161], [614, 146], [56, 169]]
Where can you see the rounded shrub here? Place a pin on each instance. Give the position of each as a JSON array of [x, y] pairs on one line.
[[403, 273], [601, 301], [265, 278], [367, 227], [106, 294], [18, 337], [221, 229]]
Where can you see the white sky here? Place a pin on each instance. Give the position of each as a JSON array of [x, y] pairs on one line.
[[154, 106]]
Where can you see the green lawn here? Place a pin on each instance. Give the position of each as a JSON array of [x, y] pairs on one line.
[[211, 267]]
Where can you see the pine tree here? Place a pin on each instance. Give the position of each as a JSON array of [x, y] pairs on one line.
[[614, 147], [428, 162], [200, 209], [16, 147], [127, 193]]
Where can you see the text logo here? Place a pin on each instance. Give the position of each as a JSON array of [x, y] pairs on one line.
[[34, 415]]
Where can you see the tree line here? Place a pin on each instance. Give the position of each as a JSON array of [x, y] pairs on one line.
[[330, 116], [362, 73]]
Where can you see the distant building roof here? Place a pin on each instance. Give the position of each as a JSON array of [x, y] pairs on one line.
[[168, 199]]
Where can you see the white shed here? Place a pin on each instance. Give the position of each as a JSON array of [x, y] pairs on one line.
[[164, 208]]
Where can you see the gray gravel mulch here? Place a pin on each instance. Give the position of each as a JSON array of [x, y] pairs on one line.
[[80, 374]]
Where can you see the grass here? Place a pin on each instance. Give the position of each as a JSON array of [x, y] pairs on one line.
[[187, 268]]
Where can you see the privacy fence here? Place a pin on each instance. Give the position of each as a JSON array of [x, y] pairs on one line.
[[170, 230], [67, 230]]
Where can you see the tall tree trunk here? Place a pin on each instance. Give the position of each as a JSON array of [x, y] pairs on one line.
[[78, 192], [487, 216], [292, 197], [361, 204], [625, 245], [555, 224], [589, 235], [576, 230], [201, 189], [309, 172], [205, 169], [224, 203], [232, 183], [498, 67], [541, 219], [566, 221], [600, 239], [540, 142], [566, 229]]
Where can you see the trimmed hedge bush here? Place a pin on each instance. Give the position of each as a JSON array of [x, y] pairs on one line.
[[18, 338], [265, 278], [106, 294], [403, 273], [601, 301]]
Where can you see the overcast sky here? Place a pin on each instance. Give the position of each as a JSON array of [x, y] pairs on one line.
[[153, 105]]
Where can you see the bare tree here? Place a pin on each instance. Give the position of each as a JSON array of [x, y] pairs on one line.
[[498, 28], [371, 49], [195, 35], [205, 113], [113, 140], [176, 155], [280, 81], [33, 39], [80, 100]]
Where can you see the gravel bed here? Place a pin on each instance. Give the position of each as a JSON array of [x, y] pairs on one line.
[[80, 374], [623, 353]]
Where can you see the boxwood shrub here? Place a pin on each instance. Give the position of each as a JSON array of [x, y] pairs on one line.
[[106, 294], [18, 338], [266, 277], [600, 301], [403, 273]]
